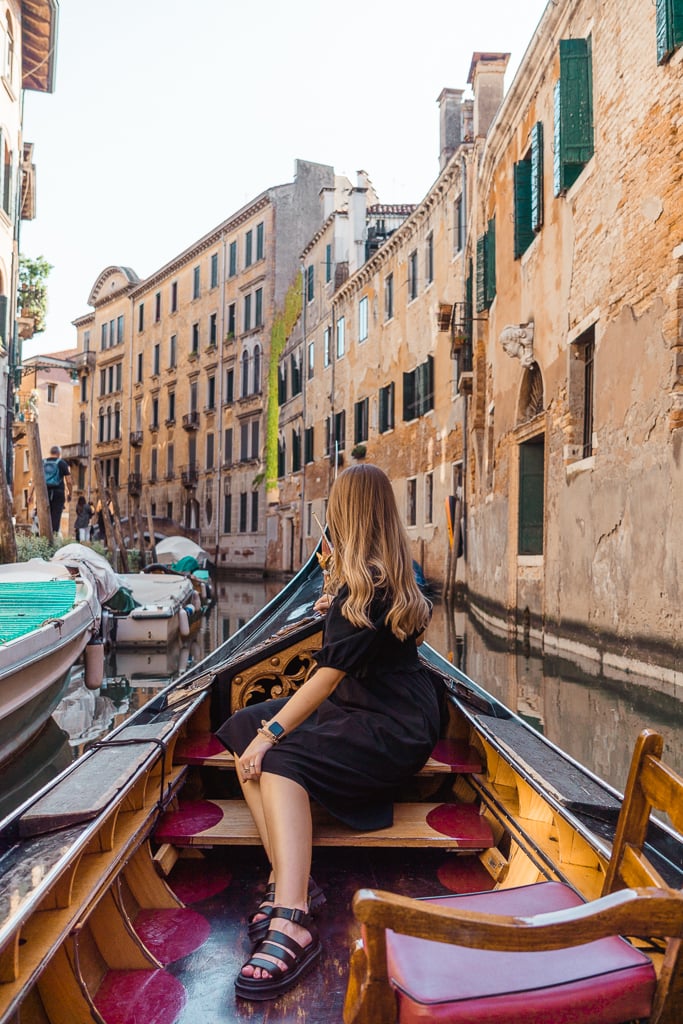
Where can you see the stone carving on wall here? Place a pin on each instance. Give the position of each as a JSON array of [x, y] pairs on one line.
[[518, 342]]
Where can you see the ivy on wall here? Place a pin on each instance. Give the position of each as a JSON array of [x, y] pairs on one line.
[[283, 325]]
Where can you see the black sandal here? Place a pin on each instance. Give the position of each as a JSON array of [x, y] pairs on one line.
[[298, 959], [257, 930]]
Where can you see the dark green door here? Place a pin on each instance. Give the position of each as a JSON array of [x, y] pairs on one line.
[[531, 494]]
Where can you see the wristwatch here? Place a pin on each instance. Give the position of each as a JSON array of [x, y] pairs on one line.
[[276, 730]]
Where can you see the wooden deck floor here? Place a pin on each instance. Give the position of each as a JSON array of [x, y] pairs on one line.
[[208, 973]]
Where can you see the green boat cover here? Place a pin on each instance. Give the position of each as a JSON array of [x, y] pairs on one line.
[[25, 606], [186, 564], [122, 601]]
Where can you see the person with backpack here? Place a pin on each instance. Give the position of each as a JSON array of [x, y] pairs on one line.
[[58, 481]]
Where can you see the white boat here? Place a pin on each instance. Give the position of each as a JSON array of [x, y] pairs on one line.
[[165, 605], [173, 549], [47, 617]]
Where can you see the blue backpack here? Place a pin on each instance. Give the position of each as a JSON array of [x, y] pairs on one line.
[[53, 478]]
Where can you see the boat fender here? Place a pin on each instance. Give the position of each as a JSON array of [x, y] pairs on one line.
[[183, 622], [94, 664], [196, 601]]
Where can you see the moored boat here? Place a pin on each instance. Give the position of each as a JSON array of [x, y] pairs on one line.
[[164, 605], [47, 617], [127, 882]]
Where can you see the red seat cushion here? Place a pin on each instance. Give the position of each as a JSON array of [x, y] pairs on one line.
[[607, 980]]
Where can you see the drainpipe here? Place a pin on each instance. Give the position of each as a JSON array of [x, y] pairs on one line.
[[304, 372], [219, 418]]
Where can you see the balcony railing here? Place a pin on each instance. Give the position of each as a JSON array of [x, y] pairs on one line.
[[191, 421], [135, 484], [72, 452], [136, 438], [189, 475]]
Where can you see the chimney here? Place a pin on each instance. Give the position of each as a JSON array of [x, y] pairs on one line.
[[450, 124], [486, 75]]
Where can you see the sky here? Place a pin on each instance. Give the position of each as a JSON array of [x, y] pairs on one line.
[[167, 117]]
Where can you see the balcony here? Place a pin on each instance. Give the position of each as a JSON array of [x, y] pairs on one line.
[[135, 484], [191, 421], [189, 475], [85, 360], [136, 438], [76, 452]]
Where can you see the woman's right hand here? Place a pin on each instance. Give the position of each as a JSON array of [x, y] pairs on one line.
[[323, 603]]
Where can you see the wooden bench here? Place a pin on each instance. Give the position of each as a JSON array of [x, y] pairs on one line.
[[228, 822], [206, 823], [538, 952]]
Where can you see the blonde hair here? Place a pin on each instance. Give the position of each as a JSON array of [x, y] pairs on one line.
[[371, 551]]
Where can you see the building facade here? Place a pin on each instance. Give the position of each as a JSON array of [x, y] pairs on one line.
[[28, 40], [173, 396], [575, 427]]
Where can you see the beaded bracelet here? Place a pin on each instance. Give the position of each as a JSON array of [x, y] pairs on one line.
[[267, 734]]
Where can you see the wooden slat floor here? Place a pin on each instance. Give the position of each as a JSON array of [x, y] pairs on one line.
[[208, 973]]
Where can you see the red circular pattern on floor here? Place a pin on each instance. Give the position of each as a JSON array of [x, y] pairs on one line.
[[461, 821], [173, 933], [193, 880], [128, 997], [192, 817]]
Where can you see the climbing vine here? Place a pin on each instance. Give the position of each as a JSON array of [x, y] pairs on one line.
[[283, 325]]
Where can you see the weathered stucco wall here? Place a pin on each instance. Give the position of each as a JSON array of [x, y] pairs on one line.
[[608, 257]]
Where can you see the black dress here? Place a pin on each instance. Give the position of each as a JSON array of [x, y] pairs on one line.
[[375, 731]]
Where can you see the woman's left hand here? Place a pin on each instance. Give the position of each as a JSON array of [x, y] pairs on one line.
[[252, 759]]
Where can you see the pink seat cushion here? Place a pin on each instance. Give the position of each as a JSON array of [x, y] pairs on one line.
[[607, 980]]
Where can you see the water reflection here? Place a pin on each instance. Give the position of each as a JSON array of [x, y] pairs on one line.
[[593, 718]]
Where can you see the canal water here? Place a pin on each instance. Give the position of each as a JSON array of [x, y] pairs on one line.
[[593, 718]]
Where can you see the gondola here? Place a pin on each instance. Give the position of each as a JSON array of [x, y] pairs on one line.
[[126, 882]]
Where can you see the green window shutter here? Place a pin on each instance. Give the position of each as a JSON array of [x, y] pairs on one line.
[[490, 268], [537, 176], [669, 28], [574, 119], [3, 321], [409, 396], [531, 496], [481, 269], [524, 234]]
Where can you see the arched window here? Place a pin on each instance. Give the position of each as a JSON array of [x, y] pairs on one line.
[[245, 374], [530, 395], [100, 432], [109, 435], [257, 370], [117, 421], [81, 429]]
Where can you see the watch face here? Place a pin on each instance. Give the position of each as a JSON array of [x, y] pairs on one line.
[[276, 729]]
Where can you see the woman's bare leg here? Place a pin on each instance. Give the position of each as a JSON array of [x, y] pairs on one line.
[[252, 795], [287, 814]]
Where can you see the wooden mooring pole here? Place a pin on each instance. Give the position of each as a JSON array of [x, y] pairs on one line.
[[8, 540], [35, 461]]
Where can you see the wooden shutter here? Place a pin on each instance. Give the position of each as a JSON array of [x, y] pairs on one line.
[[409, 396], [576, 109], [537, 176], [481, 271], [3, 321], [490, 263], [524, 234]]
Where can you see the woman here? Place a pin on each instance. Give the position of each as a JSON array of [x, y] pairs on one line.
[[84, 513], [366, 719]]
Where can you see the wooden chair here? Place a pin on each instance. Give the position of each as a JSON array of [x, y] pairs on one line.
[[536, 953]]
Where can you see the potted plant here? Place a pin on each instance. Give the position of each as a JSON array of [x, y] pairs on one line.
[[359, 451]]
